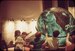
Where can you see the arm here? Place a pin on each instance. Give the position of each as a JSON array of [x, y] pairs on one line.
[[31, 46], [67, 39], [45, 40]]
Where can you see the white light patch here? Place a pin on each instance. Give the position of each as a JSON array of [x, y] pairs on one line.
[[21, 25], [32, 25], [32, 28], [64, 14], [8, 31]]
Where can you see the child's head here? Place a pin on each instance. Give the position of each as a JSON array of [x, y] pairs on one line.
[[24, 34], [17, 33], [38, 34], [11, 42], [56, 33], [72, 36]]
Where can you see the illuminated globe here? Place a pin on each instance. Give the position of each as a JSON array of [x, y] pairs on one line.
[[56, 19]]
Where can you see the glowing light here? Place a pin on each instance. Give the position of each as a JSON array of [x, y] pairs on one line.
[[8, 31], [21, 25], [32, 26], [9, 28]]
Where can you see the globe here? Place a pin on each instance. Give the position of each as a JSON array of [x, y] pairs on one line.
[[56, 19]]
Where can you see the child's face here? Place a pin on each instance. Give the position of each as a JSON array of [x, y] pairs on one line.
[[24, 35], [18, 33]]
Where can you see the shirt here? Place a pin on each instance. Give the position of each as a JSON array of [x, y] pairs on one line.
[[52, 42], [19, 42]]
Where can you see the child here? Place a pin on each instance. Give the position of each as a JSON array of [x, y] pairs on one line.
[[51, 43], [3, 44], [10, 44], [36, 44], [17, 33], [18, 41], [70, 42], [26, 42]]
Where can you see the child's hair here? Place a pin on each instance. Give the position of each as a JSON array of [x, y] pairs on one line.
[[24, 33], [17, 33], [38, 34], [56, 33]]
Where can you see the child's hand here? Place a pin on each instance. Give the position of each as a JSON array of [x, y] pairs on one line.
[[43, 45], [31, 46], [46, 47]]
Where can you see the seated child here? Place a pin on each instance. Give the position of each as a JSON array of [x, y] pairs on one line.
[[70, 46], [36, 44], [3, 44], [51, 43], [10, 44], [18, 41], [19, 44]]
